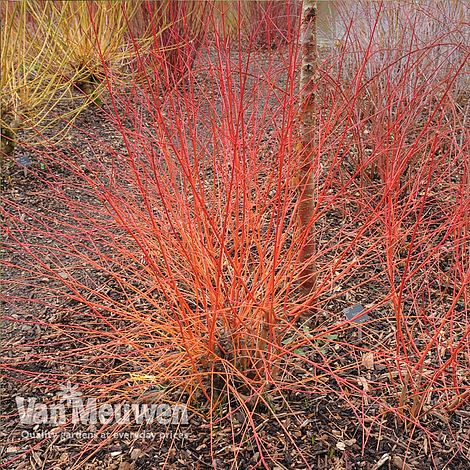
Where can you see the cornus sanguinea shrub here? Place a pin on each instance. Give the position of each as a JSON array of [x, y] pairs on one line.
[[174, 31], [399, 81], [165, 264], [403, 67], [268, 24]]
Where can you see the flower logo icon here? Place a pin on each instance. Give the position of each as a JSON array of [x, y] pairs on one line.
[[69, 394]]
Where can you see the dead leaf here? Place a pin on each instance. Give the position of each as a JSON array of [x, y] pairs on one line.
[[362, 381], [126, 466], [341, 445], [136, 454], [397, 462], [368, 360], [382, 461]]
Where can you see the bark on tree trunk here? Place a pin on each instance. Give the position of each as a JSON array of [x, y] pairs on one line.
[[308, 75]]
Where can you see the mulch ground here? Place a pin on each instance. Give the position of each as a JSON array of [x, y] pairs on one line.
[[321, 429]]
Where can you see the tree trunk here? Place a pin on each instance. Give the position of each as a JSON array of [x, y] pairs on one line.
[[308, 75]]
